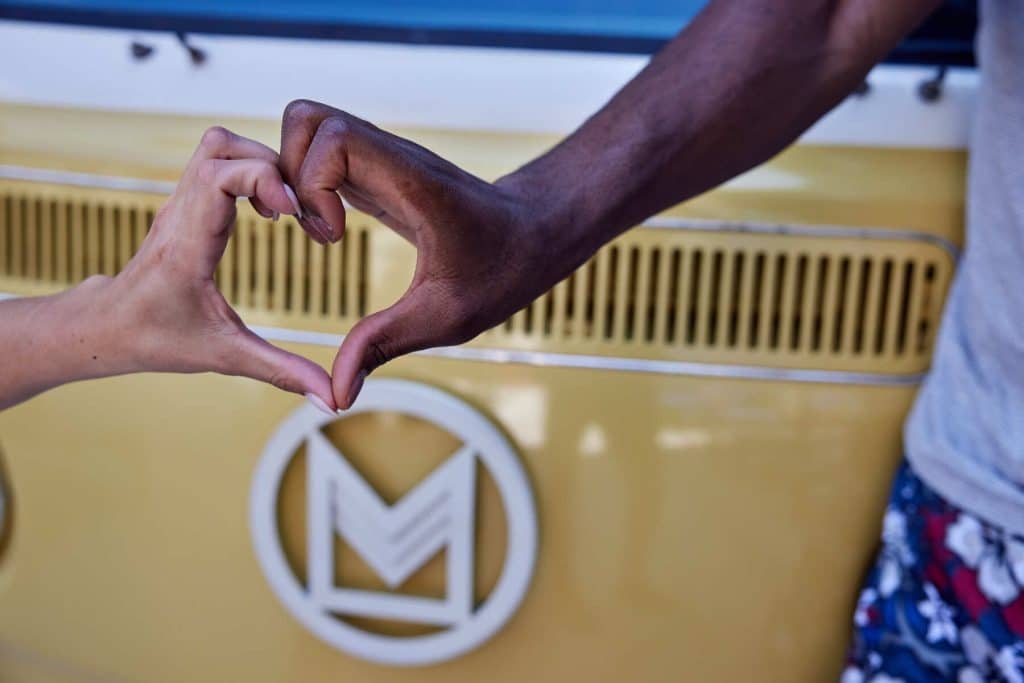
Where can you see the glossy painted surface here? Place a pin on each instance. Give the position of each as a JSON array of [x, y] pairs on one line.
[[691, 528], [682, 520]]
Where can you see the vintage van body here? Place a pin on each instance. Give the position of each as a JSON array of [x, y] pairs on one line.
[[672, 466]]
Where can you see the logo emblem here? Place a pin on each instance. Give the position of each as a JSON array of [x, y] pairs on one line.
[[394, 541]]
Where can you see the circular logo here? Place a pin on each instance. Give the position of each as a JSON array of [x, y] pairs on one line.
[[395, 540]]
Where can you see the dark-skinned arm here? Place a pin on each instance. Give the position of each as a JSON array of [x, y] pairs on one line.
[[734, 88]]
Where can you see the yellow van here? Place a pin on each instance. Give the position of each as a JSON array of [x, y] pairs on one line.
[[669, 467]]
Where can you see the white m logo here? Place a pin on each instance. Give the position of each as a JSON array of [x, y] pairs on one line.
[[394, 541]]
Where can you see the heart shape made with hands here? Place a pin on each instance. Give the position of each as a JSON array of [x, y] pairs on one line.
[[479, 257]]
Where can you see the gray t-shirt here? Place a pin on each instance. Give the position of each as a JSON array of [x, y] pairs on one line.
[[965, 436]]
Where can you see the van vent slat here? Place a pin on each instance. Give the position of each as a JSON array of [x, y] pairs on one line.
[[718, 293], [851, 292], [792, 302], [597, 295], [931, 304], [106, 225], [331, 304], [775, 289], [886, 340], [30, 238], [620, 309], [316, 281], [580, 304], [824, 295], [870, 318], [700, 295], [558, 298], [803, 303], [746, 302], [898, 344], [243, 265], [17, 251], [878, 325], [5, 229], [656, 292]]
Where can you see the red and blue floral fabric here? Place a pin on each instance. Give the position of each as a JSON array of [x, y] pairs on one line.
[[944, 600]]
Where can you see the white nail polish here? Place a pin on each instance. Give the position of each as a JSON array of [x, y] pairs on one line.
[[319, 403], [294, 200]]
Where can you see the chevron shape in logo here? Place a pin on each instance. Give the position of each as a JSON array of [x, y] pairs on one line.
[[394, 541]]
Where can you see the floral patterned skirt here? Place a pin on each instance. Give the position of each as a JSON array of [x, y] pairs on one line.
[[944, 600]]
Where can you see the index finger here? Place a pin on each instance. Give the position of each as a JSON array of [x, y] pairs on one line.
[[220, 143], [298, 127]]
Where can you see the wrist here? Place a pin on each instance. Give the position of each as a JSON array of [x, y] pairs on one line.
[[554, 219], [97, 335]]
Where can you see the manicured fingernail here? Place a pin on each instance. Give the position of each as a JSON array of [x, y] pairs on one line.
[[294, 200], [357, 386], [319, 403]]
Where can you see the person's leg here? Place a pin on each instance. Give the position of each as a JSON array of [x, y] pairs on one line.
[[944, 600]]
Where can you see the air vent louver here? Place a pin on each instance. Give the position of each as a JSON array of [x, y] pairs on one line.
[[715, 296], [852, 301]]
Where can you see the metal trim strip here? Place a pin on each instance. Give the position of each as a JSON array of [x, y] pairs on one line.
[[613, 363], [670, 223], [580, 361], [91, 180]]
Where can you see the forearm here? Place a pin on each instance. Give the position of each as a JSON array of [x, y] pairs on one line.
[[52, 340], [734, 88]]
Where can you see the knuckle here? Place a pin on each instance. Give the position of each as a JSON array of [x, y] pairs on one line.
[[337, 129], [216, 138], [207, 171], [378, 353], [94, 281], [266, 171], [281, 381], [300, 109]]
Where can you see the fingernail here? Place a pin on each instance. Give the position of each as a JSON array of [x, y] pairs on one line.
[[357, 386], [319, 403], [325, 230], [317, 226], [294, 200], [317, 237]]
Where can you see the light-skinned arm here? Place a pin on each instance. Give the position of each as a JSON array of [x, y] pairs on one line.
[[163, 312]]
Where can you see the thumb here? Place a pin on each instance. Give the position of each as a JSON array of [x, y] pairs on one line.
[[409, 325], [256, 358]]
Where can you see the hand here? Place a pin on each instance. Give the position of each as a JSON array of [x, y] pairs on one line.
[[170, 311], [482, 252]]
